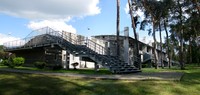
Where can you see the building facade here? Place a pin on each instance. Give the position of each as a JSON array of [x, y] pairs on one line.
[[62, 49]]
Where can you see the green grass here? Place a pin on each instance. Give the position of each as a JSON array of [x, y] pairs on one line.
[[77, 71], [173, 69], [33, 84]]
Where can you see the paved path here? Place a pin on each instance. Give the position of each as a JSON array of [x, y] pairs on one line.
[[134, 76]]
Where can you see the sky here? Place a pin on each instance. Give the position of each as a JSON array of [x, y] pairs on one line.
[[85, 17]]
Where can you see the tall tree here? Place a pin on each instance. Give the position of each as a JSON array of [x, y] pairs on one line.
[[167, 38], [173, 46], [151, 9], [179, 28], [159, 14], [161, 46], [118, 27], [134, 24], [192, 24], [166, 6]]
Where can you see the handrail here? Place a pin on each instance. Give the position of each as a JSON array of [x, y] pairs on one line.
[[70, 37], [77, 40], [73, 38], [96, 47]]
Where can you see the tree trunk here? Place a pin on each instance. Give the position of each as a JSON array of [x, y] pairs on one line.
[[135, 34], [190, 52], [154, 46], [118, 27], [181, 51], [161, 49], [181, 37], [168, 52], [154, 33]]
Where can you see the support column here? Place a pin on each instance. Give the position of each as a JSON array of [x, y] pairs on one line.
[[85, 66], [126, 45], [80, 64], [67, 60], [96, 67]]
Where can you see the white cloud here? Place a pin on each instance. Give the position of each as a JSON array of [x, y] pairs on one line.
[[7, 38], [147, 40], [138, 12], [57, 25], [52, 13], [49, 9], [127, 8]]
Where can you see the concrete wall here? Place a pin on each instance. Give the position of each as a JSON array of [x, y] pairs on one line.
[[79, 60], [31, 55], [146, 50]]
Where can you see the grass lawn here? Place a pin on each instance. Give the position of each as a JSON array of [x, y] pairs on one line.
[[77, 71], [33, 84]]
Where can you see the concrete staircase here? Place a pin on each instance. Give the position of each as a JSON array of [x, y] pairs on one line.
[[80, 46]]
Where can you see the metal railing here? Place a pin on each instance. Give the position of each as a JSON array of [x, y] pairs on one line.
[[36, 38], [96, 47], [73, 38], [81, 40]]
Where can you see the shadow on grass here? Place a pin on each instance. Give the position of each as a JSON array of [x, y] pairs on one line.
[[28, 84], [190, 78], [33, 84], [77, 71], [83, 71]]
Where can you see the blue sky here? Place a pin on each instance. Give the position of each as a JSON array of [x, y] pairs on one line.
[[17, 19], [105, 22]]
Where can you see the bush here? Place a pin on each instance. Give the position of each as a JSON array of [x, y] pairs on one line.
[[144, 65], [1, 61], [40, 65], [18, 61], [5, 62], [8, 63], [13, 62]]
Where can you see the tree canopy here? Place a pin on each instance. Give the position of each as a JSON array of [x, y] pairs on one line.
[[180, 19]]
